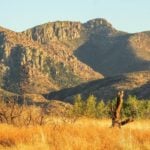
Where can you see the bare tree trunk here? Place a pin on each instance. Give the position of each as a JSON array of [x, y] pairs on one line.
[[116, 113], [116, 120]]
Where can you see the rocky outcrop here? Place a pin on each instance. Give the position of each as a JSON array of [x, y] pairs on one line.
[[55, 31], [99, 27], [68, 31], [30, 67]]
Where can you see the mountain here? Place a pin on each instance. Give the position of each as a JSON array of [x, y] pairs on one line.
[[137, 83], [64, 54], [26, 66], [98, 44]]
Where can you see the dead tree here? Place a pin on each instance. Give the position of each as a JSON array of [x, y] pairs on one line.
[[116, 120]]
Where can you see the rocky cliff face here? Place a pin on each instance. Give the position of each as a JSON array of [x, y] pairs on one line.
[[68, 31], [97, 44], [99, 27], [55, 31], [70, 34], [28, 66]]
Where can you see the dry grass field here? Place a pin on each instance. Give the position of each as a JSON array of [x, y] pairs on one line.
[[84, 134]]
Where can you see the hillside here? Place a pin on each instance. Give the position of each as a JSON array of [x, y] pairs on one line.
[[137, 83], [98, 44], [113, 55], [50, 57], [27, 66]]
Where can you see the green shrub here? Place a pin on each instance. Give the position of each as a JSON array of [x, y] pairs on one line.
[[78, 107], [130, 108], [90, 107], [101, 110]]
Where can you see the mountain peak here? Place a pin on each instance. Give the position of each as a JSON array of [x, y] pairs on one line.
[[98, 22]]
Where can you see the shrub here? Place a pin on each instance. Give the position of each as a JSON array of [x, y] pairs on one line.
[[78, 107], [101, 110], [90, 107]]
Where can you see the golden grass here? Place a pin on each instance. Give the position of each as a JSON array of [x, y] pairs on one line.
[[85, 134]]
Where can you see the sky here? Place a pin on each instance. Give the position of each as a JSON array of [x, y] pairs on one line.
[[126, 15]]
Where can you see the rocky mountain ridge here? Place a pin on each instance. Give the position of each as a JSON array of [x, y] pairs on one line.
[[52, 56], [28, 66], [98, 44]]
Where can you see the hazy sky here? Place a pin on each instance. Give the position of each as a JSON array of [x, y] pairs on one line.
[[126, 15]]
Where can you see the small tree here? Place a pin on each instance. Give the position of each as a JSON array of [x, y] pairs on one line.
[[90, 108], [143, 109], [110, 107], [131, 107], [101, 109], [78, 107], [146, 109]]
